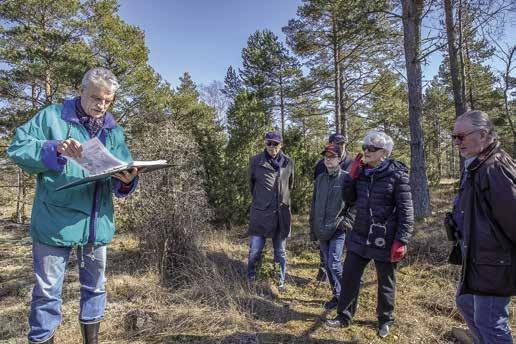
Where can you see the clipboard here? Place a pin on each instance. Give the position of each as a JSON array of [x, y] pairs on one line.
[[143, 166]]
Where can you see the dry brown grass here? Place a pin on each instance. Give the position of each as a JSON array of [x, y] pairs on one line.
[[217, 307]]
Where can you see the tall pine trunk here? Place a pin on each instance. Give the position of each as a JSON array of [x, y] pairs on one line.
[[282, 107], [336, 76], [457, 83], [507, 85], [343, 109], [412, 11]]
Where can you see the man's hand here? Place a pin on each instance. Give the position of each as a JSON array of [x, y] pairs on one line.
[[398, 251], [126, 176], [355, 166], [70, 148]]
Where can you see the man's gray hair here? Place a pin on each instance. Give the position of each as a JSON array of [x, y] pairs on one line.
[[100, 77], [479, 120]]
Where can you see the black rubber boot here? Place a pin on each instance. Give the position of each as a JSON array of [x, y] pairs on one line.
[[90, 333]]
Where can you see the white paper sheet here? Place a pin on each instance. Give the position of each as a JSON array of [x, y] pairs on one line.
[[96, 159]]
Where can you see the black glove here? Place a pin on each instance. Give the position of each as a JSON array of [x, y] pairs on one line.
[[451, 227]]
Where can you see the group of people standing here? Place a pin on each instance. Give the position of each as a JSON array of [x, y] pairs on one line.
[[362, 204]]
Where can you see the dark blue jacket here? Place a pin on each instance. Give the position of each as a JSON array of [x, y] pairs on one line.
[[387, 193]]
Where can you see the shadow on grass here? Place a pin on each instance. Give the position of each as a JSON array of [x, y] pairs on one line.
[[249, 338], [125, 261]]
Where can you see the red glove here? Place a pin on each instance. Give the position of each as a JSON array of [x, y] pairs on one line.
[[398, 251], [355, 166]]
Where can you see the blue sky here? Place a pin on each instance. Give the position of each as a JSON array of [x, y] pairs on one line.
[[204, 37]]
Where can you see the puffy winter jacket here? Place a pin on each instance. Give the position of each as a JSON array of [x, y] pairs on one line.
[[383, 197]]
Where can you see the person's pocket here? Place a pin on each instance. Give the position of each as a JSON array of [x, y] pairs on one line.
[[491, 275]]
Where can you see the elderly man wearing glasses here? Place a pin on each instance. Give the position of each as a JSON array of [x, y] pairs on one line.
[[271, 178], [484, 223], [379, 189], [79, 218]]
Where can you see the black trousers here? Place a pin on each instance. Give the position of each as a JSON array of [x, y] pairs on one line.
[[352, 271]]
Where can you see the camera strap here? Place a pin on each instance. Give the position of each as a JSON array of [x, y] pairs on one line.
[[382, 224]]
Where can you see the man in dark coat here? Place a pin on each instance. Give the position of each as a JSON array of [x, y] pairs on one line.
[[271, 177], [486, 227]]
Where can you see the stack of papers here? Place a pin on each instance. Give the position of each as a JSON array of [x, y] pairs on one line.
[[100, 163]]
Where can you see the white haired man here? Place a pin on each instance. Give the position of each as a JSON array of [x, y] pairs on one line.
[[80, 217], [484, 222]]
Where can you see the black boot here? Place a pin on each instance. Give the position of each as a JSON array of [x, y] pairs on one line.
[[48, 341], [90, 333]]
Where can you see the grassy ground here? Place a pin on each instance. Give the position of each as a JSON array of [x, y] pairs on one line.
[[217, 307]]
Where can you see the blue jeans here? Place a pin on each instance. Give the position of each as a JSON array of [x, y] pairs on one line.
[[256, 244], [332, 255], [49, 263], [487, 317]]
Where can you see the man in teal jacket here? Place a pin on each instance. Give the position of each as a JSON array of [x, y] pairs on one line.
[[81, 216]]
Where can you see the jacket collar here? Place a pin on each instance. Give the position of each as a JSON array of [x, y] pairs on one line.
[[484, 156], [68, 114], [265, 163]]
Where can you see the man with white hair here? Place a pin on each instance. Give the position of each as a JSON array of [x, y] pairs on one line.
[[484, 223], [81, 216]]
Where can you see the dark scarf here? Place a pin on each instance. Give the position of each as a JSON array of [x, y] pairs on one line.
[[93, 125], [277, 162], [370, 170]]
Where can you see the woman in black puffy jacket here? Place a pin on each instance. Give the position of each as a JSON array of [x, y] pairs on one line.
[[379, 188]]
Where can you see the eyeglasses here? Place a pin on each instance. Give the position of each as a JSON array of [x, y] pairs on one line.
[[461, 137], [370, 148], [271, 143]]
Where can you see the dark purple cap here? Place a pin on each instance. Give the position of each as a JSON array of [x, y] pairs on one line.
[[337, 138], [274, 136], [331, 148]]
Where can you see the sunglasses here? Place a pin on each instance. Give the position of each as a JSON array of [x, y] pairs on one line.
[[461, 137], [271, 143], [370, 148]]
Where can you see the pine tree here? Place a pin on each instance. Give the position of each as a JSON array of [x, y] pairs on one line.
[[269, 71], [232, 84], [342, 43]]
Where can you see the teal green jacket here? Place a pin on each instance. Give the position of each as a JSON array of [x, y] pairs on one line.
[[77, 215]]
